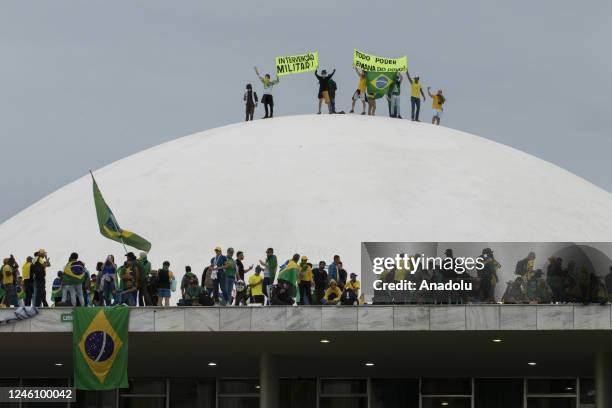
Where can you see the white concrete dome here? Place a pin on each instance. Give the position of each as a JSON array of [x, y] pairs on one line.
[[318, 186]]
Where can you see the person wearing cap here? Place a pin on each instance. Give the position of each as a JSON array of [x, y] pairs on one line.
[[38, 271], [28, 282], [217, 263], [437, 101], [270, 266], [332, 294], [305, 281], [144, 297], [353, 284], [320, 282], [323, 94], [415, 97], [256, 286], [164, 284]]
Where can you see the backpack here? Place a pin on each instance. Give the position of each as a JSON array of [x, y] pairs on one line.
[[521, 267]]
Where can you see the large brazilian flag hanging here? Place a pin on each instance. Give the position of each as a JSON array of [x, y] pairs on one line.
[[378, 83], [109, 227], [100, 346]]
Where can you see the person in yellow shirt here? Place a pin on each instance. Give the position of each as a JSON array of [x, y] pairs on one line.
[[332, 294], [256, 286], [360, 93], [353, 284], [415, 97], [305, 281], [8, 281], [437, 101]]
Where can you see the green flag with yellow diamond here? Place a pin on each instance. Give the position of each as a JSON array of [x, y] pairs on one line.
[[109, 227], [378, 83], [100, 347]]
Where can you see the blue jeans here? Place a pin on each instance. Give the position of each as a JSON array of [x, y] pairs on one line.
[[108, 287], [128, 298], [228, 285]]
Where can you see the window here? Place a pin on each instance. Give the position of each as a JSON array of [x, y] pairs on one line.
[[498, 392], [238, 393], [141, 393], [192, 393], [446, 392], [298, 393], [394, 393], [551, 393], [340, 393]]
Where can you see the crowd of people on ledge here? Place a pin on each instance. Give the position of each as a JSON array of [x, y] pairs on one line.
[[327, 94], [225, 282], [557, 282], [135, 282]]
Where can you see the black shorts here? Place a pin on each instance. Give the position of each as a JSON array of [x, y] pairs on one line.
[[267, 99]]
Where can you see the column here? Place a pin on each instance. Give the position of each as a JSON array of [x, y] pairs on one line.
[[603, 380], [268, 381]]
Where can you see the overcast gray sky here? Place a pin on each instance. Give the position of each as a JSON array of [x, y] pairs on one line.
[[84, 83]]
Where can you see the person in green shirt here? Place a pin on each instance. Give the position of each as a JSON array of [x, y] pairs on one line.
[[144, 297], [269, 273], [393, 97]]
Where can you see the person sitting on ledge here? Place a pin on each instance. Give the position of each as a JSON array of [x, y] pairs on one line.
[[332, 294]]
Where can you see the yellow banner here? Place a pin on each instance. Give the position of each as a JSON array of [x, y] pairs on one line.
[[372, 63], [296, 64]]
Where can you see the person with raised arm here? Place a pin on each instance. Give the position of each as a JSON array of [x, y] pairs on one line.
[[437, 101], [267, 99], [415, 96]]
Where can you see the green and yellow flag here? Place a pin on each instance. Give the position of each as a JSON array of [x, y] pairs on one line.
[[378, 83], [100, 346], [109, 227]]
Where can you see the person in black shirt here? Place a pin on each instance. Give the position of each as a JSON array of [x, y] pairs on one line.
[[324, 89], [240, 271], [250, 98], [341, 276], [320, 281]]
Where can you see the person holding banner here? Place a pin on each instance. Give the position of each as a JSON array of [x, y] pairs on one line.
[[324, 89], [360, 93], [267, 99], [415, 98], [437, 101]]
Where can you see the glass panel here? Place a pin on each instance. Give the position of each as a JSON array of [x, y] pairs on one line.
[[498, 392], [446, 386], [241, 386], [145, 386], [344, 387], [192, 393], [238, 402], [558, 402], [142, 402], [447, 402], [343, 402], [298, 393], [95, 399], [587, 393], [395, 393], [551, 386]]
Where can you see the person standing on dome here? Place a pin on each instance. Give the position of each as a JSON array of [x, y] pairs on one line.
[[267, 99], [323, 94], [393, 97], [415, 96], [250, 98], [360, 92], [437, 101]]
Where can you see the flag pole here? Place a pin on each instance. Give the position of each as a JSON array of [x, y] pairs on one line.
[[112, 219]]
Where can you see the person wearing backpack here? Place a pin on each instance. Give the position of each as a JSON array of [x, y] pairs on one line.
[[437, 101]]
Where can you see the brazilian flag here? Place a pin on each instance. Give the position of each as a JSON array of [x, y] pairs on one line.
[[378, 83], [290, 274], [109, 227], [100, 346]]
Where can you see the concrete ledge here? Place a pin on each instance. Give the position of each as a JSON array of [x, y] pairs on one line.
[[338, 318]]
